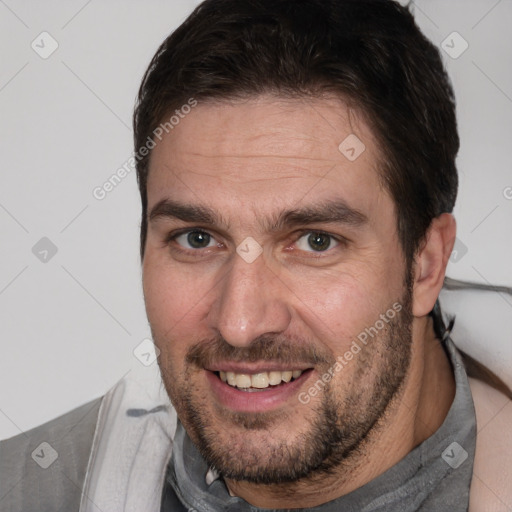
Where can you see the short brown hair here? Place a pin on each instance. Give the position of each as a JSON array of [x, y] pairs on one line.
[[369, 52]]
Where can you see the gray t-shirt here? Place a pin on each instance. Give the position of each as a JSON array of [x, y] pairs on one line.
[[435, 476]]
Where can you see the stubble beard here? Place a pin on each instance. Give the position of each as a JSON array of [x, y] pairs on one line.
[[254, 447]]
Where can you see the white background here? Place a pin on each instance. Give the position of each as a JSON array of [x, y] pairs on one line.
[[69, 326]]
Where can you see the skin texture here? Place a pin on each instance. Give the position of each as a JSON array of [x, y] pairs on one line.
[[293, 306]]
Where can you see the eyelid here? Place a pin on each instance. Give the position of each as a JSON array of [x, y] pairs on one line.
[[173, 235], [340, 241]]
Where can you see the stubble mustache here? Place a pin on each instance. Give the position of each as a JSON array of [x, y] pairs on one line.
[[265, 348]]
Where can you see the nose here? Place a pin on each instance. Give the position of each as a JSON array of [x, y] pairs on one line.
[[250, 302]]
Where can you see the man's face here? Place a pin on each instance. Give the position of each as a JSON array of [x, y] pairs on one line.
[[266, 175]]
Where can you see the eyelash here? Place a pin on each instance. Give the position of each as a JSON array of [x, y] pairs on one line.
[[172, 236]]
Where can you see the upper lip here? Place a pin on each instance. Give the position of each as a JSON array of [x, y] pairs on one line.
[[256, 367]]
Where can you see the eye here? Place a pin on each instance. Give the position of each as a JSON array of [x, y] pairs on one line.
[[195, 240], [316, 241]]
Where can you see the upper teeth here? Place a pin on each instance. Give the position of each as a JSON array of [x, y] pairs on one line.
[[258, 380]]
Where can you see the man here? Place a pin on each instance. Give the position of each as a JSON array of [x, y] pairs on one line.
[[296, 162]]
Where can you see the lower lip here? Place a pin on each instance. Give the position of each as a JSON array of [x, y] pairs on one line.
[[255, 401]]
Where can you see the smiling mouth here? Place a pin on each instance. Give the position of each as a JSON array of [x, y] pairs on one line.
[[259, 381]]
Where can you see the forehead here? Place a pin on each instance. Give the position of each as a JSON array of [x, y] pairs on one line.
[[268, 152]]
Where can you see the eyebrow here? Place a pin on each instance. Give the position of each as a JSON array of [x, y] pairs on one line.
[[168, 208], [326, 212]]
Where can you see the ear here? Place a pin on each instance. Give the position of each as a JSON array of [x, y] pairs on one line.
[[431, 261]]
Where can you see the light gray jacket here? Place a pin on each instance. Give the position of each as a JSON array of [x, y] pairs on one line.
[[24, 481]]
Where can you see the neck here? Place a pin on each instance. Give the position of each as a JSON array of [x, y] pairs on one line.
[[413, 415]]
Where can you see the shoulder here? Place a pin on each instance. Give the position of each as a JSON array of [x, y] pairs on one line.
[[48, 462], [491, 487]]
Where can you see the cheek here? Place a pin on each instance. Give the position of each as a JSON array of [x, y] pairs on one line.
[[174, 299], [337, 306], [336, 313]]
